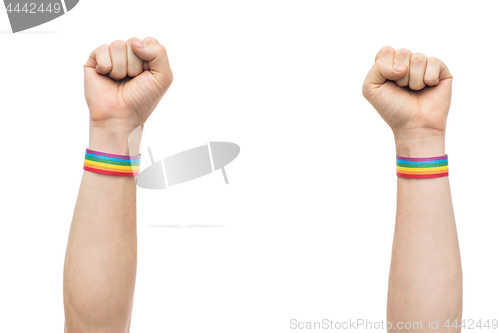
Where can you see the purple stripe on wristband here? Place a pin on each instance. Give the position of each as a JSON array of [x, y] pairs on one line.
[[421, 158], [113, 155]]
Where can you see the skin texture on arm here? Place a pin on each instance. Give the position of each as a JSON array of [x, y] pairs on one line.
[[412, 93], [124, 82]]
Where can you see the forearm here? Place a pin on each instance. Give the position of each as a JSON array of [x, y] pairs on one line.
[[101, 258], [100, 266], [426, 276]]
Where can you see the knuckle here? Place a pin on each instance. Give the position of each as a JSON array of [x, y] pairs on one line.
[[432, 60], [131, 40], [387, 50], [403, 52], [162, 49], [118, 44], [380, 62], [103, 47], [418, 58], [150, 39], [105, 68]]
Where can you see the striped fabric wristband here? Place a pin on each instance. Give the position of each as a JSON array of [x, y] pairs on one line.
[[422, 167], [111, 164]]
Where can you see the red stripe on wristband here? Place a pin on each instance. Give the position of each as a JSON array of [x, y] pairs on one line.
[[434, 175], [106, 172]]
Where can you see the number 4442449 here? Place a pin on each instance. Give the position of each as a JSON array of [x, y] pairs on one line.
[[472, 324], [33, 8]]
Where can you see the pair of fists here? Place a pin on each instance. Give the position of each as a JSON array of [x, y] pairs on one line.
[[126, 80]]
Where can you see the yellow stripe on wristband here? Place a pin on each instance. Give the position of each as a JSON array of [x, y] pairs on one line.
[[424, 169]]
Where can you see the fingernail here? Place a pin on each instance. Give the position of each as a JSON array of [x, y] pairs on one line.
[[399, 67], [140, 44]]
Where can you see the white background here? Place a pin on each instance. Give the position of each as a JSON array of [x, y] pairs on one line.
[[308, 215]]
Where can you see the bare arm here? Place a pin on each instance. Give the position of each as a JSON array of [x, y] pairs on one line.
[[412, 93], [426, 276], [100, 267], [101, 257]]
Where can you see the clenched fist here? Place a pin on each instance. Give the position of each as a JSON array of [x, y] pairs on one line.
[[412, 93], [124, 82]]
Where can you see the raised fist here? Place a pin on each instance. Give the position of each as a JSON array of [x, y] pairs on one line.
[[124, 82], [412, 93]]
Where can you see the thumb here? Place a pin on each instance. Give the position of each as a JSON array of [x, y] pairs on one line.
[[380, 72], [156, 57], [90, 70]]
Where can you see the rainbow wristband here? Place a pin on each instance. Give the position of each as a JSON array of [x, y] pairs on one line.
[[422, 167], [111, 164]]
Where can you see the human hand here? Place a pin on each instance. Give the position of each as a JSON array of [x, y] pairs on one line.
[[124, 82], [412, 93]]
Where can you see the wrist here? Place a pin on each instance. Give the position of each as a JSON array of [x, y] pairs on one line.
[[421, 147], [115, 140]]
